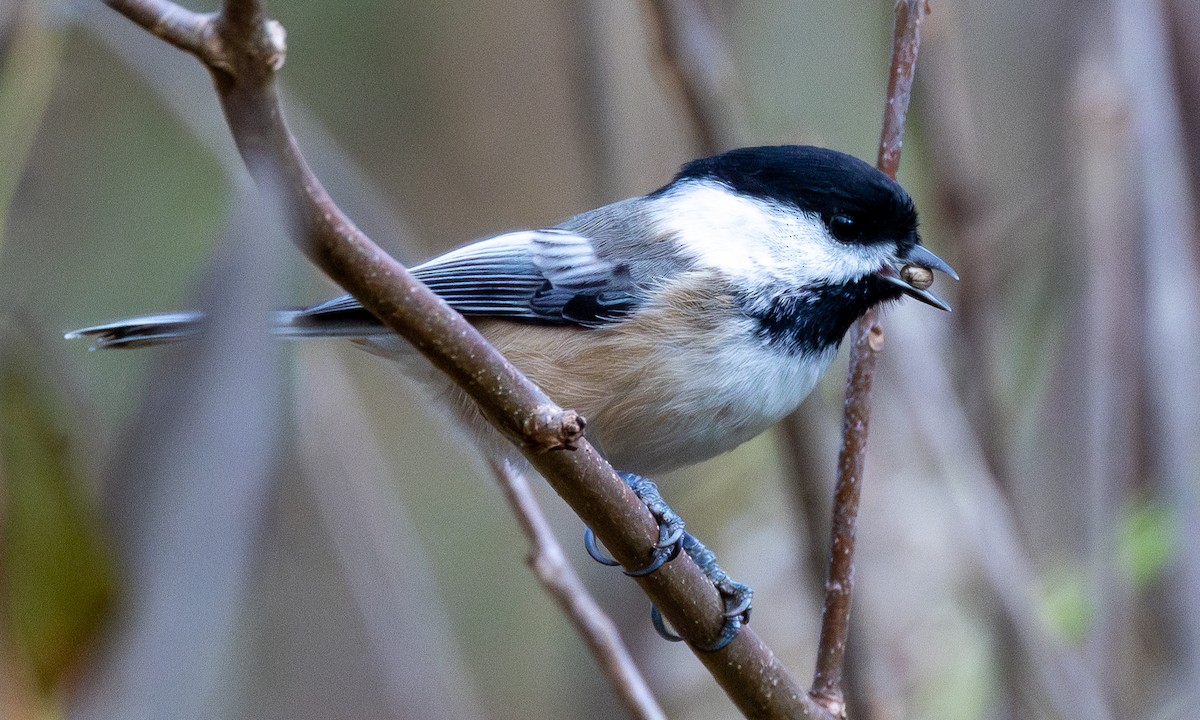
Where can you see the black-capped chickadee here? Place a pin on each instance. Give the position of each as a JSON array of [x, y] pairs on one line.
[[680, 323]]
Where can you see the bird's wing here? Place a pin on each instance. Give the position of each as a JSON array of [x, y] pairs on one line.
[[550, 276]]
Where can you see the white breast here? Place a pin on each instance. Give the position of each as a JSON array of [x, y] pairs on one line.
[[706, 403]]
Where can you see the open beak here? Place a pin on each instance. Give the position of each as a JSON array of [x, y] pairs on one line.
[[920, 256]]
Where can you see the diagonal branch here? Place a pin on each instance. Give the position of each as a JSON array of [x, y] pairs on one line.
[[550, 566], [189, 31], [243, 50], [699, 66]]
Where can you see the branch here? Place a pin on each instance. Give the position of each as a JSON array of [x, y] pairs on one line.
[[698, 65], [189, 31], [865, 343], [243, 50], [550, 566], [906, 41], [1172, 283], [987, 525]]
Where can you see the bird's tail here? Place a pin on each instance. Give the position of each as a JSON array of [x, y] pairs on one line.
[[149, 330], [142, 331]]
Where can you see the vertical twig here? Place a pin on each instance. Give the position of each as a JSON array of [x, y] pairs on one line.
[[906, 42], [866, 341], [1112, 300], [1172, 282]]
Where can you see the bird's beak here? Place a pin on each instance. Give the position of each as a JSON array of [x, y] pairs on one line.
[[920, 257]]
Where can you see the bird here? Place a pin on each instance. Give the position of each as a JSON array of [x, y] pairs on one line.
[[680, 323]]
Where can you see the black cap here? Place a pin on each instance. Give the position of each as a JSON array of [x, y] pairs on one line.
[[857, 202]]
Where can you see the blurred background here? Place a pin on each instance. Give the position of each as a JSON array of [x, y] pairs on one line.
[[239, 528]]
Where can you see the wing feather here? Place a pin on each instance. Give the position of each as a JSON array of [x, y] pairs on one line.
[[550, 276]]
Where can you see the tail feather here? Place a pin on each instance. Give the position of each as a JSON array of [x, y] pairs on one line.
[[350, 321], [142, 331]]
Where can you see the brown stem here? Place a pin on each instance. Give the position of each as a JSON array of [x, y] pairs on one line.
[[243, 50], [866, 341], [906, 42], [550, 566]]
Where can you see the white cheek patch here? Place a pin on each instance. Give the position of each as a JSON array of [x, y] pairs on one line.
[[753, 239]]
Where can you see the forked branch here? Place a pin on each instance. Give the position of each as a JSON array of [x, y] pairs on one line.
[[243, 49]]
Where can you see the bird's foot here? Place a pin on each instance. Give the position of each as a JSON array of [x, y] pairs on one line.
[[735, 596], [670, 528]]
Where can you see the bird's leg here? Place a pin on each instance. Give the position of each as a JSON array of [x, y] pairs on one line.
[[736, 596]]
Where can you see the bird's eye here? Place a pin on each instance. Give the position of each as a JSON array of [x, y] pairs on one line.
[[842, 227]]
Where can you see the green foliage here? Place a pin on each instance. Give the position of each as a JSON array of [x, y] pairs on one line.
[[1146, 541], [56, 578], [1065, 603]]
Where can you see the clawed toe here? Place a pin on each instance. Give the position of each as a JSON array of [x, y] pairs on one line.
[[736, 597], [663, 553], [670, 528], [589, 543]]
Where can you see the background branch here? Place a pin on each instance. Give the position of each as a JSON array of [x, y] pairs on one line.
[[549, 564], [1172, 281], [700, 69]]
